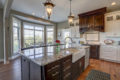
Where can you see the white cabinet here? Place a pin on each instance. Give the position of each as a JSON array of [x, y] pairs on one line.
[[118, 54], [87, 55], [112, 22], [111, 53]]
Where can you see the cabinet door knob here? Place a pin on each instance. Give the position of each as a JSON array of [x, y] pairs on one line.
[[24, 60]]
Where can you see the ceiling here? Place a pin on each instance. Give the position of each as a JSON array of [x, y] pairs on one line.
[[61, 10]]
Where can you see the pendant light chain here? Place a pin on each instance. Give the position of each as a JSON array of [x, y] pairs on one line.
[[70, 8], [70, 17]]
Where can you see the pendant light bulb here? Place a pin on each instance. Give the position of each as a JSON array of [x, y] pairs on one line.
[[49, 7]]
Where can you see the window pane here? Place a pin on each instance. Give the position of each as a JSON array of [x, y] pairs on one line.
[[16, 44], [39, 28], [50, 35], [33, 35], [15, 24], [28, 38], [28, 26], [39, 37]]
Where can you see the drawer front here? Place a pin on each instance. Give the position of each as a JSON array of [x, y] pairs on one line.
[[67, 68], [53, 75], [52, 71], [52, 66], [67, 76], [67, 62]]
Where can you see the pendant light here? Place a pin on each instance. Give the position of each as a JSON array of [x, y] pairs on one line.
[[49, 7], [70, 17]]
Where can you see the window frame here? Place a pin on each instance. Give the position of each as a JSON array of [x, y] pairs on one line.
[[18, 34], [34, 30]]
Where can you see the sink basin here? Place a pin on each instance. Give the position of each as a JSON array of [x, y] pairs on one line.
[[77, 55]]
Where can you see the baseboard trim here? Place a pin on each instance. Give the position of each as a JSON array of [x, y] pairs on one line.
[[1, 60], [11, 58], [109, 60]]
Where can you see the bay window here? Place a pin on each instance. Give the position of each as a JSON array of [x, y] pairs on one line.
[[33, 35], [50, 35], [16, 36]]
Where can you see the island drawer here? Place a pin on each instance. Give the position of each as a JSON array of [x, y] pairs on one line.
[[52, 66], [66, 68], [52, 71]]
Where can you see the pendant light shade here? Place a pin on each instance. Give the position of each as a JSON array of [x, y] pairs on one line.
[[70, 17], [49, 7]]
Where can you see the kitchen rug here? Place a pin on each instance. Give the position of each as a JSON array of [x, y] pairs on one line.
[[98, 75]]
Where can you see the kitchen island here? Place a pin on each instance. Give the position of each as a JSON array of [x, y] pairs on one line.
[[45, 63]]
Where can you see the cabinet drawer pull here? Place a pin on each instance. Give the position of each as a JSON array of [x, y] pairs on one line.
[[67, 75], [53, 68], [56, 73], [67, 61], [67, 68]]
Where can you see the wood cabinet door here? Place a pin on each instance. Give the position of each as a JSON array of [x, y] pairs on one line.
[[91, 22], [83, 21], [25, 68], [99, 22], [94, 51], [75, 70], [81, 65]]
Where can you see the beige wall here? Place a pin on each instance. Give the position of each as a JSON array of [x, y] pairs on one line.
[[1, 35], [61, 26]]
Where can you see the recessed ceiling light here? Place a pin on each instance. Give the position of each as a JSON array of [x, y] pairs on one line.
[[113, 3], [33, 13]]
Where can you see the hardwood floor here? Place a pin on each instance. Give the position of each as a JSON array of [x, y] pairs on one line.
[[112, 68], [12, 71]]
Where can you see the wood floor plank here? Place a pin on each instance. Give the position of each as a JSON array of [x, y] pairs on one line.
[[12, 71], [109, 67]]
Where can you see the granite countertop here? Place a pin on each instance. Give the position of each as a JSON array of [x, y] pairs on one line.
[[45, 55]]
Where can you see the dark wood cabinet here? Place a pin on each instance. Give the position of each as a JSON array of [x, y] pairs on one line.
[[78, 68], [52, 71], [57, 70], [94, 51], [99, 22], [81, 65], [66, 68], [92, 20]]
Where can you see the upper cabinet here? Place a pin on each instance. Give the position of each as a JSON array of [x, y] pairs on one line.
[[93, 20], [112, 22], [99, 22]]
